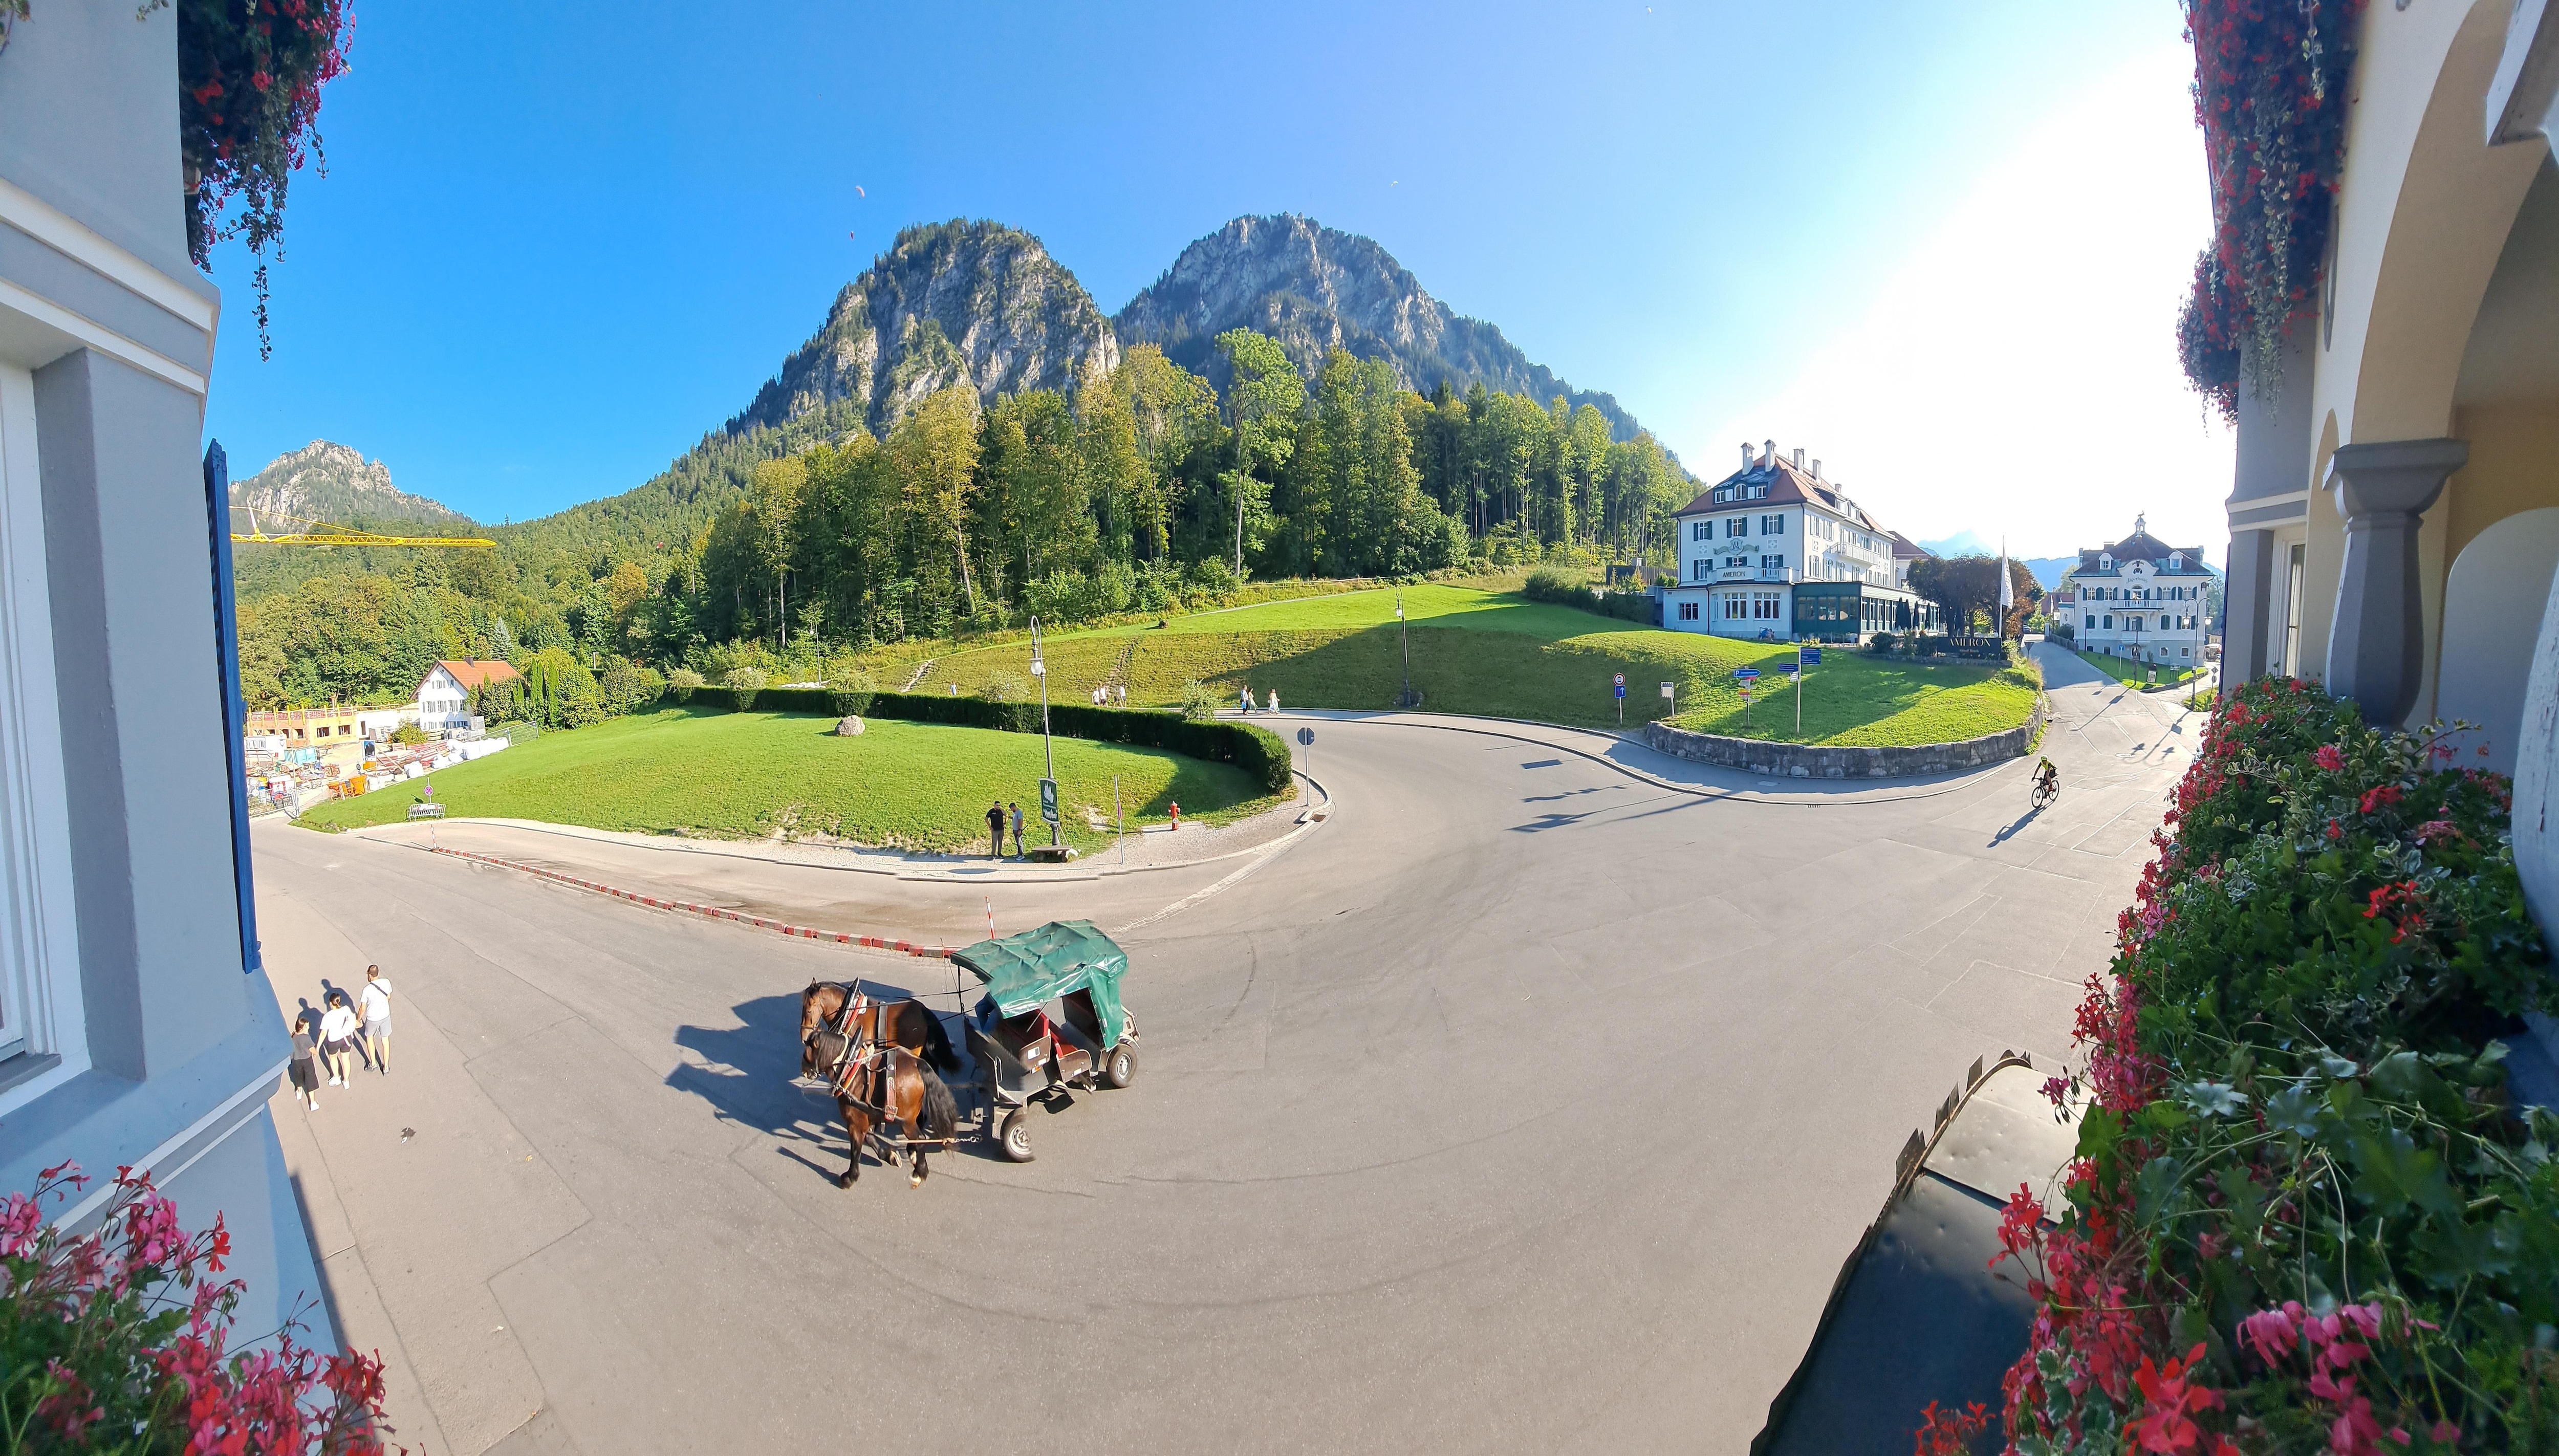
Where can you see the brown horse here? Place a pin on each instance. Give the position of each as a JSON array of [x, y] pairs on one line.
[[880, 1086], [908, 1024]]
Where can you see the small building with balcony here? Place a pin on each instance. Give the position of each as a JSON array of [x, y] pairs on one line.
[[1775, 552]]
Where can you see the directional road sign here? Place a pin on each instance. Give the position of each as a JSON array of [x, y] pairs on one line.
[[1746, 674], [1810, 656]]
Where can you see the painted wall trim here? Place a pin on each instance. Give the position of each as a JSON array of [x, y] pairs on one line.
[[49, 225], [105, 340], [153, 1163]]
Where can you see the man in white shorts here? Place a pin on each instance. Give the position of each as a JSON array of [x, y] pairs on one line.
[[377, 1018]]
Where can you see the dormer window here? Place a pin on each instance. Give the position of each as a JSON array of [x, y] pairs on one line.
[[2105, 562], [2176, 561]]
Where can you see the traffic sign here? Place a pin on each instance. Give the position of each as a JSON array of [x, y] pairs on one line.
[[1810, 655], [1746, 674], [1048, 800], [1667, 688], [1792, 668], [1621, 679], [1306, 738]]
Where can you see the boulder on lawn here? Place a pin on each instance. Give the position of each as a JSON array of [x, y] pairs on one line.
[[850, 727]]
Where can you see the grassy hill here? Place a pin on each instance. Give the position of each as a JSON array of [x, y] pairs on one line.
[[1500, 655], [750, 776]]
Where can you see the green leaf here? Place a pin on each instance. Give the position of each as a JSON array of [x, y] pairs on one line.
[[2396, 1173], [2155, 1189], [2213, 1098], [2451, 1252], [2160, 1118], [2295, 1109]]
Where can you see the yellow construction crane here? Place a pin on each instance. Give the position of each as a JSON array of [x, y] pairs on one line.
[[322, 534]]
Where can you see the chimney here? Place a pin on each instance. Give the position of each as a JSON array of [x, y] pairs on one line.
[[1799, 457], [1770, 457], [1817, 470], [1746, 453]]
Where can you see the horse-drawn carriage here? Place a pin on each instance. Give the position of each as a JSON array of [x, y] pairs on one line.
[[885, 1061], [1022, 1055]]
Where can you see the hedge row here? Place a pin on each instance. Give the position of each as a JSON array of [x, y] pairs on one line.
[[2306, 1213], [1261, 754]]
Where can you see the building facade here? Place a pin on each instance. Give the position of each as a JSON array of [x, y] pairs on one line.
[[444, 696], [1777, 552], [136, 1025], [2143, 600]]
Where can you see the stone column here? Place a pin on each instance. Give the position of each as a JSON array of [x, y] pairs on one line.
[[2376, 643], [2244, 600]]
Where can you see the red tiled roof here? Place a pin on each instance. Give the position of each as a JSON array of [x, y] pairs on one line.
[[472, 673]]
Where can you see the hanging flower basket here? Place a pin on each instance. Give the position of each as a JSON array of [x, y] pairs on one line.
[[2270, 95], [249, 73]]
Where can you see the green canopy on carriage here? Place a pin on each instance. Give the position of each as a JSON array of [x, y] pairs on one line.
[[1026, 971]]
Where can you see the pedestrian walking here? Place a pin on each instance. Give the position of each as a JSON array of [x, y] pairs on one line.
[[304, 1070], [375, 998], [337, 1036], [1275, 699], [1248, 698], [1123, 690], [995, 825], [1018, 831]]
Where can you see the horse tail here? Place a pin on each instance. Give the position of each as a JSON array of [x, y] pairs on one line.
[[937, 1043], [941, 1113]]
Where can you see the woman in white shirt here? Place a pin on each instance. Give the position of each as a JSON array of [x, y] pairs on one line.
[[337, 1036]]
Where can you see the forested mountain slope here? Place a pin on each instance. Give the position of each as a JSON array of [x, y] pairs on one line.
[[1316, 290]]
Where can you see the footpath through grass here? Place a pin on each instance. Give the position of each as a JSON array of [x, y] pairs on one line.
[[1502, 656], [750, 776], [2136, 675]]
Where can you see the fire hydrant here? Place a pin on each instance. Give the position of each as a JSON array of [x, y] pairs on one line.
[[1178, 813]]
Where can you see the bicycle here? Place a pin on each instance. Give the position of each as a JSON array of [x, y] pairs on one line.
[[2047, 784]]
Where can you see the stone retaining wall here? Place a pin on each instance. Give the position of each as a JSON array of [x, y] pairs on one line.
[[1797, 761]]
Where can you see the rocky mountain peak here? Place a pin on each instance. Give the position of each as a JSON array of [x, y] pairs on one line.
[[1315, 289], [327, 482], [950, 303]]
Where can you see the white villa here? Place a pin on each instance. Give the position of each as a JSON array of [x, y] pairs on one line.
[[2143, 600], [1775, 551], [444, 695]]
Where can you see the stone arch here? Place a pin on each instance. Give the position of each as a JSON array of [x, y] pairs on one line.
[[2494, 596], [2456, 202]]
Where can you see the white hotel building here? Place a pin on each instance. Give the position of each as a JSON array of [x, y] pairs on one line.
[[2143, 600], [1775, 552]]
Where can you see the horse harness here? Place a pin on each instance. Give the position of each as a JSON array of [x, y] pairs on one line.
[[862, 1053]]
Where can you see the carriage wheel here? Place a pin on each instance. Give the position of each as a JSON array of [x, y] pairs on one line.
[[1122, 1068], [1015, 1136]]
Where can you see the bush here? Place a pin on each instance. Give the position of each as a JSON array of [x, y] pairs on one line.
[[409, 733], [682, 683], [1200, 701], [745, 683], [849, 691], [1008, 687], [627, 686], [2303, 1193], [1560, 585], [1881, 642]]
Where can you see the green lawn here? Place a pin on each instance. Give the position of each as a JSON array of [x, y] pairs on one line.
[[2136, 675], [1496, 653], [910, 785]]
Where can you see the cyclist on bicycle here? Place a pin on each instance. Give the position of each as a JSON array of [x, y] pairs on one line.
[[2046, 776]]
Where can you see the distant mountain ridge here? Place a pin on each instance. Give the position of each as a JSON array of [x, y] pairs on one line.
[[1315, 290], [327, 482]]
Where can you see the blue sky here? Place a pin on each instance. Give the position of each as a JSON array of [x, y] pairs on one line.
[[1938, 245]]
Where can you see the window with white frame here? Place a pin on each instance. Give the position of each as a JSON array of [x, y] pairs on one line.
[[1698, 567], [1772, 526], [1763, 606], [41, 1011], [1699, 530], [1772, 563], [1688, 611], [1738, 525], [1737, 607]]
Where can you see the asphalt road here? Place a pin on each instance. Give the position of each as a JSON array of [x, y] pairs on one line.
[[1524, 1105]]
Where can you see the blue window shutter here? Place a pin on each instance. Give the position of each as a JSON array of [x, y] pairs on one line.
[[217, 518]]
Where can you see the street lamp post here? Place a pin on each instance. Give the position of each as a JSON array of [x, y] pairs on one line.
[[1048, 746], [1404, 699]]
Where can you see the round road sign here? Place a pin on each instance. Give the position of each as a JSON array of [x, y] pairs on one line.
[[1306, 738]]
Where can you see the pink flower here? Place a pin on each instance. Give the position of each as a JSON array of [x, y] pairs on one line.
[[2329, 757], [2271, 1332]]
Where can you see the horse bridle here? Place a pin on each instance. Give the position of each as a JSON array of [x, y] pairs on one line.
[[857, 1050]]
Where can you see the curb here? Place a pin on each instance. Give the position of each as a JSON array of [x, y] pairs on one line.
[[707, 912], [938, 877]]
